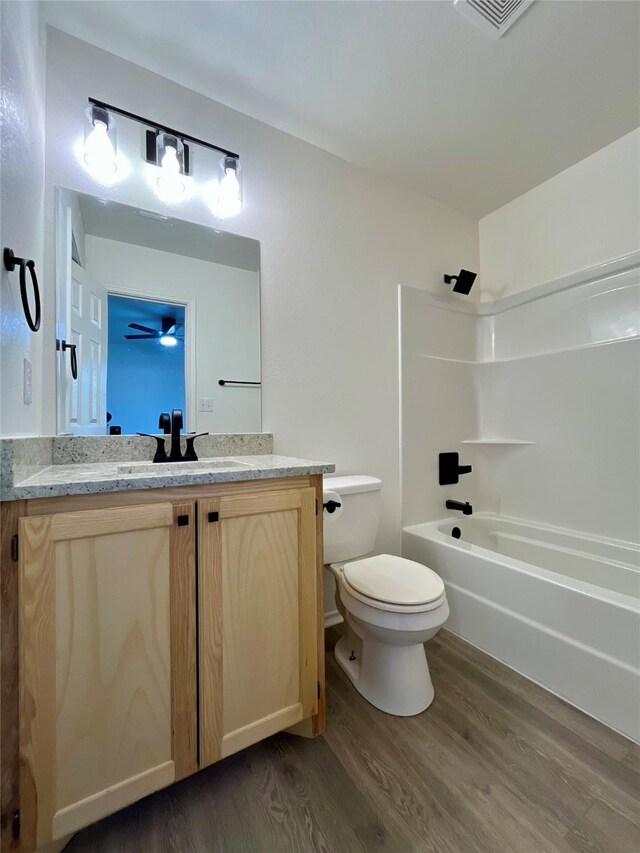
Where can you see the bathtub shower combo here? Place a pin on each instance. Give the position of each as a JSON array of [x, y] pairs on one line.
[[546, 576], [561, 607]]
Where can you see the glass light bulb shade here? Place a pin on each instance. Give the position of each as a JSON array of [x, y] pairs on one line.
[[170, 159], [168, 341], [229, 187], [100, 142]]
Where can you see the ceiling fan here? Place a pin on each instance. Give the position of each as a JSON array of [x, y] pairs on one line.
[[167, 335]]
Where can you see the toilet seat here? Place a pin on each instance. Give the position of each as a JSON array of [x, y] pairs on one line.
[[393, 583]]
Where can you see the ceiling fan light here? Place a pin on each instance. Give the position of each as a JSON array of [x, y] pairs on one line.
[[168, 340]]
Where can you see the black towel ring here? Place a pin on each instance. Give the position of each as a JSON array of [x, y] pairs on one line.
[[10, 262]]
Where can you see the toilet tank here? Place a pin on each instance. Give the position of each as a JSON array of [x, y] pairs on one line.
[[351, 531]]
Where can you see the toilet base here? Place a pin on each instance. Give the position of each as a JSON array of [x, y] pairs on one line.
[[394, 679]]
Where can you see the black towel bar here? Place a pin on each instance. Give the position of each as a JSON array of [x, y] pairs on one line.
[[236, 382]]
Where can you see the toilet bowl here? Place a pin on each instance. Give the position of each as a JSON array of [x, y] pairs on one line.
[[383, 652], [391, 606]]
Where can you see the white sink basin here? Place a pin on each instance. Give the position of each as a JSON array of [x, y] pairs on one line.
[[164, 468]]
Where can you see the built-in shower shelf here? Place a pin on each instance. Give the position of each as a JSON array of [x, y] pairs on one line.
[[496, 441]]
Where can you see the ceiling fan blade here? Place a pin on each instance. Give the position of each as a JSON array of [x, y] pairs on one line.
[[141, 337], [142, 328]]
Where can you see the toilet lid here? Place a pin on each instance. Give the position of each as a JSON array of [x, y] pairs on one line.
[[393, 580]]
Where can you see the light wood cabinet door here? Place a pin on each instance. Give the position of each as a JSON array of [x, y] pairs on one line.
[[257, 617], [108, 680]]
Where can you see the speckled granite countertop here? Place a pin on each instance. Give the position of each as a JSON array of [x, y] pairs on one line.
[[87, 479], [55, 466]]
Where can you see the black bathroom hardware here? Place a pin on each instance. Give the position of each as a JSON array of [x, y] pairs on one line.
[[73, 348], [236, 382], [456, 533], [177, 422], [173, 424], [463, 281], [161, 451], [190, 454], [331, 506], [449, 469], [465, 508], [164, 423], [161, 128], [10, 263]]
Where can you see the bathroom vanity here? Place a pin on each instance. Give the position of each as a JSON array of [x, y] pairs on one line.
[[166, 620]]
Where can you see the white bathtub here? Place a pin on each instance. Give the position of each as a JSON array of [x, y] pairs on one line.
[[560, 607]]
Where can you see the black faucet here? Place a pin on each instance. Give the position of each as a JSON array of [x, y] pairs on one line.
[[175, 454], [173, 424], [465, 508]]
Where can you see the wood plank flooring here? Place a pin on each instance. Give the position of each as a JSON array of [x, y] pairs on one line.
[[496, 764]]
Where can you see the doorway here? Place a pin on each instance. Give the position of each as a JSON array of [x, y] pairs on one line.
[[145, 363]]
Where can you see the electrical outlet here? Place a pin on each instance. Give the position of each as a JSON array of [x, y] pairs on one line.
[[27, 383], [205, 404]]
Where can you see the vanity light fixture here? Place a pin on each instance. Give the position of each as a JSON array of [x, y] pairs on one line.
[[167, 149], [100, 142], [229, 188], [170, 160]]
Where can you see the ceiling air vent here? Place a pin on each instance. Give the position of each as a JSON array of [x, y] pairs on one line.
[[492, 17]]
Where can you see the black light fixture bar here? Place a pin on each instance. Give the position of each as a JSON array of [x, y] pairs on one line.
[[162, 127]]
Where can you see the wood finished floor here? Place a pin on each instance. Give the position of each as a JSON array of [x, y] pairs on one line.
[[496, 764]]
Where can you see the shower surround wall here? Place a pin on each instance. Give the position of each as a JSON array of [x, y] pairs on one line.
[[561, 371]]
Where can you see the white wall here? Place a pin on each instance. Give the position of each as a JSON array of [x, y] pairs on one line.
[[586, 215], [226, 306], [335, 243], [22, 52]]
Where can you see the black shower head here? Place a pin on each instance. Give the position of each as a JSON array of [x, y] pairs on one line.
[[463, 281]]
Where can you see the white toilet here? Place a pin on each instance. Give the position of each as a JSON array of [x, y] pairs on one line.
[[391, 605]]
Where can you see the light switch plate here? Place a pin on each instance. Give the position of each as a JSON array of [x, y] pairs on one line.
[[205, 404], [27, 383]]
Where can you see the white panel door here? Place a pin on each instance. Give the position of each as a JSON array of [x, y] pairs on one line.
[[81, 320], [88, 331]]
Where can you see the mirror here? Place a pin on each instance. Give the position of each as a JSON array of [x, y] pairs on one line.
[[153, 314]]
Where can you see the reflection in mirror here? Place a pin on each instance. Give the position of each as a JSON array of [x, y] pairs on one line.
[[159, 311]]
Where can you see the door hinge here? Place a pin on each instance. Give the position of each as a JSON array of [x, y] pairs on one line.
[[15, 824], [316, 506], [213, 516], [15, 548]]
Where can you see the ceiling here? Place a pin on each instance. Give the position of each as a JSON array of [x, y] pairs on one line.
[[114, 221], [408, 89]]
